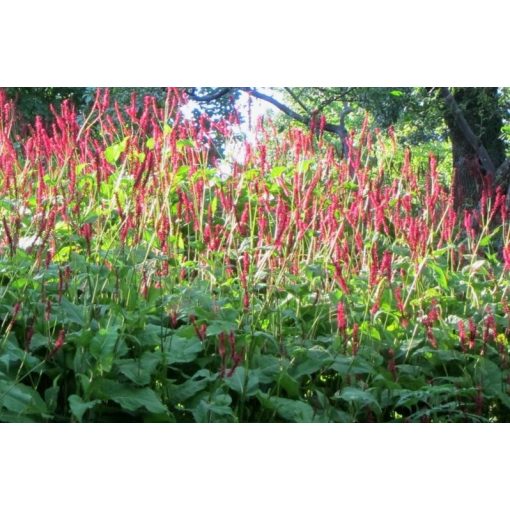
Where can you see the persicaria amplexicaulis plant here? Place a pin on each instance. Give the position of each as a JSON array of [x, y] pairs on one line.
[[143, 276]]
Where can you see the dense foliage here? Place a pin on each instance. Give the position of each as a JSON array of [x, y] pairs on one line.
[[139, 283]]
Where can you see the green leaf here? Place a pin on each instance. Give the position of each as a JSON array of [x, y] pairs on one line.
[[151, 335], [245, 382], [216, 327], [130, 398], [180, 144], [218, 405], [139, 370], [79, 407], [182, 392], [268, 368], [358, 396], [112, 153], [277, 171], [79, 168], [182, 350], [150, 143], [370, 330], [289, 384], [490, 377], [102, 347], [292, 410], [439, 275], [21, 399], [310, 361], [350, 365], [73, 313]]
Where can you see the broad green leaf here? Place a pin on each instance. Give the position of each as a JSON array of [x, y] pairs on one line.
[[216, 327], [289, 384], [310, 361], [292, 410], [139, 370], [268, 368], [345, 365], [358, 396], [370, 330], [79, 407], [72, 313], [277, 171], [102, 347], [151, 334], [182, 350], [440, 275], [217, 405], [112, 154], [182, 392], [243, 381], [21, 399], [129, 397], [490, 378]]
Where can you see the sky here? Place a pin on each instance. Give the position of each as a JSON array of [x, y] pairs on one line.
[[258, 108], [235, 149]]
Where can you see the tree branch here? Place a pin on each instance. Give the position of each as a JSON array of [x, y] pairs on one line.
[[298, 101], [471, 138], [337, 129], [209, 97], [331, 128], [332, 99]]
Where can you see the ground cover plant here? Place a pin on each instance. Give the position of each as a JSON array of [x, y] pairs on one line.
[[140, 281]]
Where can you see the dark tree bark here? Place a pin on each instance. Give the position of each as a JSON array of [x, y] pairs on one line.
[[474, 122]]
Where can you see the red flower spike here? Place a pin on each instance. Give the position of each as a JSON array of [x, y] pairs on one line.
[[340, 317], [59, 342], [246, 301], [472, 333], [506, 257]]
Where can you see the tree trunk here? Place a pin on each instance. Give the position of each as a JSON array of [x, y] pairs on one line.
[[480, 110]]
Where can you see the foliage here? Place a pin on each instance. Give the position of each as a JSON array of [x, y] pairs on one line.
[[416, 114], [138, 283], [32, 101]]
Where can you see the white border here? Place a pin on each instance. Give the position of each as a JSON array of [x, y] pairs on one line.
[[253, 466], [263, 43]]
